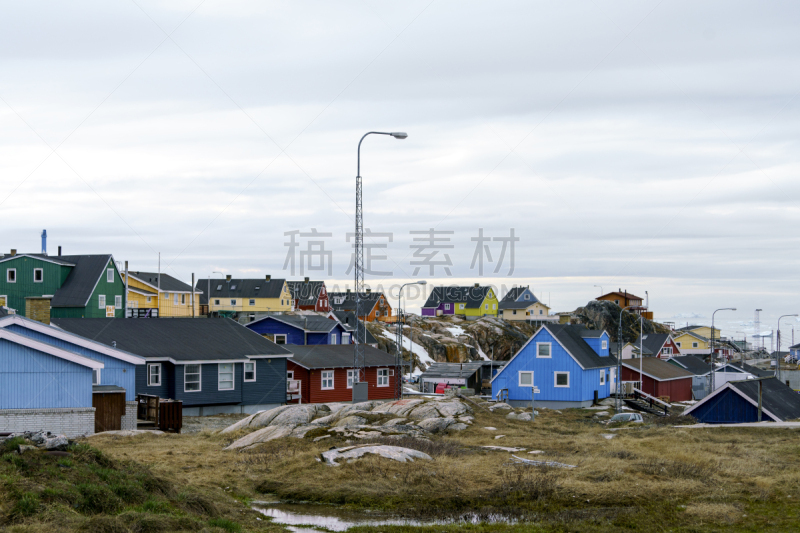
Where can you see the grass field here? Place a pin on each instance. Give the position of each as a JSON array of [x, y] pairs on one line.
[[652, 478]]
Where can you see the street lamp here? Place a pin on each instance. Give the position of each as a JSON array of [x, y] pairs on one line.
[[601, 289], [713, 371], [778, 351], [209, 291], [618, 403], [359, 372], [399, 356]]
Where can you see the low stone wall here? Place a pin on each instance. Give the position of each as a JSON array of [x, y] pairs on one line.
[[129, 420], [72, 422]]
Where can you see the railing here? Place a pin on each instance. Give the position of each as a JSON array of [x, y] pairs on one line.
[[652, 399]]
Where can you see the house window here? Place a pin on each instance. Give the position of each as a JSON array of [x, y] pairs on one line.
[[38, 275], [350, 374], [225, 376], [290, 374], [252, 301], [543, 350], [602, 377], [216, 302], [154, 375], [281, 302], [694, 345], [118, 301], [233, 302], [446, 307], [678, 344], [96, 376], [383, 377], [11, 275], [233, 287], [175, 299], [101, 301], [345, 338], [327, 380], [110, 275], [604, 345], [149, 299], [525, 378], [183, 299], [514, 312], [616, 302], [250, 371], [494, 306], [527, 296], [486, 307], [333, 338], [561, 379], [280, 338], [541, 311], [461, 306], [666, 350], [191, 378], [219, 287]]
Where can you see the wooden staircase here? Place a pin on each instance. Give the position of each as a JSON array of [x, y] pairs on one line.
[[644, 402]]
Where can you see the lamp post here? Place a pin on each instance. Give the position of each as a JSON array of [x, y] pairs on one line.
[[359, 373], [209, 291], [601, 289], [399, 342], [778, 350], [641, 354], [618, 403], [713, 371]]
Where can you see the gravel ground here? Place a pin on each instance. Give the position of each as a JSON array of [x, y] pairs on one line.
[[196, 424]]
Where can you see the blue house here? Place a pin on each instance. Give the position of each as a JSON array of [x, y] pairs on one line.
[[300, 329], [737, 402], [570, 365], [211, 365], [55, 381]]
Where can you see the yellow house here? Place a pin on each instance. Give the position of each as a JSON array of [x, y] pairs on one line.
[[520, 304], [246, 295], [151, 291], [703, 331], [689, 342]]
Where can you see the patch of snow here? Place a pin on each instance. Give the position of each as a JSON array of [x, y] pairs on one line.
[[416, 349], [456, 331], [481, 353]]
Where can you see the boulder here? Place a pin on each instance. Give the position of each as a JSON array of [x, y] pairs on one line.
[[453, 408], [394, 422], [351, 453], [57, 442], [262, 435], [260, 419], [500, 406], [526, 417], [298, 414], [25, 448], [350, 421], [399, 407], [435, 425], [457, 427]]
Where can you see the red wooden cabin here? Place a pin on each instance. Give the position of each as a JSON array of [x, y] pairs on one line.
[[325, 373], [659, 378]]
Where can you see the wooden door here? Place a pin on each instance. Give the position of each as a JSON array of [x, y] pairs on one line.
[[109, 410]]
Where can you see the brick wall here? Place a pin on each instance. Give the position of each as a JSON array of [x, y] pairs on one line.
[[38, 309], [129, 420], [72, 422]]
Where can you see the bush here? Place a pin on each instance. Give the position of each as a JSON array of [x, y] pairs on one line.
[[27, 505], [224, 523]]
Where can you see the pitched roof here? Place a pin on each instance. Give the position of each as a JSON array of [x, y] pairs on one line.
[[82, 279], [509, 301], [457, 370], [571, 337], [693, 364], [653, 341], [180, 340], [753, 370], [306, 293], [366, 301], [348, 321], [168, 283], [472, 296], [240, 288], [657, 369], [336, 356], [312, 323], [57, 259], [692, 334], [623, 294], [55, 351], [778, 400]]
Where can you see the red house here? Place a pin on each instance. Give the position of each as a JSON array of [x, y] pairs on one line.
[[324, 373], [309, 295], [659, 378]]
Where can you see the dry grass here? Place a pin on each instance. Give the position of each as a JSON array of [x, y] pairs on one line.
[[644, 477]]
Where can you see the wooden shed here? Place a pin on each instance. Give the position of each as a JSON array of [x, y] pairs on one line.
[[659, 378], [109, 404]]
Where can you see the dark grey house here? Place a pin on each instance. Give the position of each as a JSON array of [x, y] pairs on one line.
[[212, 365]]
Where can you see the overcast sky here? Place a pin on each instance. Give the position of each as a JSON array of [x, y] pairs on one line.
[[648, 146]]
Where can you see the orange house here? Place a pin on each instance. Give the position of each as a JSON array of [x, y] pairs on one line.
[[634, 303], [372, 305]]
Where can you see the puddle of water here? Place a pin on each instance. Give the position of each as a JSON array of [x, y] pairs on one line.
[[335, 519]]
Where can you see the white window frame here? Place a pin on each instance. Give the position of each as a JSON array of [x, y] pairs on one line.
[[334, 340], [96, 374], [514, 312], [602, 376], [666, 350], [149, 299], [350, 377], [41, 272], [461, 307], [381, 377], [101, 301], [325, 376], [216, 302], [616, 302], [150, 381], [541, 311], [275, 338], [8, 275], [289, 374], [486, 307], [678, 344], [183, 299], [555, 380], [604, 345], [549, 350], [245, 372], [233, 376], [4, 297], [252, 301], [345, 337], [174, 298], [494, 306], [118, 301], [527, 296], [110, 275], [519, 378], [446, 307], [695, 345], [233, 302], [199, 378]]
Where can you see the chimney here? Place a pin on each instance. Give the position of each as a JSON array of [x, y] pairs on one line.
[[13, 252], [306, 280], [477, 285], [348, 291], [59, 251], [228, 278], [268, 277], [369, 291], [44, 241]]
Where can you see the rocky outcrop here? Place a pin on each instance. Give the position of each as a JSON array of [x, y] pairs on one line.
[[351, 453], [604, 315]]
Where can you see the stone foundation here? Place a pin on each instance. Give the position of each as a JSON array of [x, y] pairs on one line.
[[72, 422]]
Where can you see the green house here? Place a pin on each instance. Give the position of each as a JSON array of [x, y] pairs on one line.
[[40, 286]]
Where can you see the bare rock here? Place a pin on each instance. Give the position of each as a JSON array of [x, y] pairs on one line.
[[435, 425], [129, 432], [262, 435], [399, 407], [351, 453], [458, 426], [500, 406], [350, 421]]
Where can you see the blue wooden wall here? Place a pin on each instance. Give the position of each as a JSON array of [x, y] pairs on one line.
[[597, 345], [31, 379], [116, 371], [582, 384], [269, 326], [209, 393], [167, 387], [270, 384], [728, 407]]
